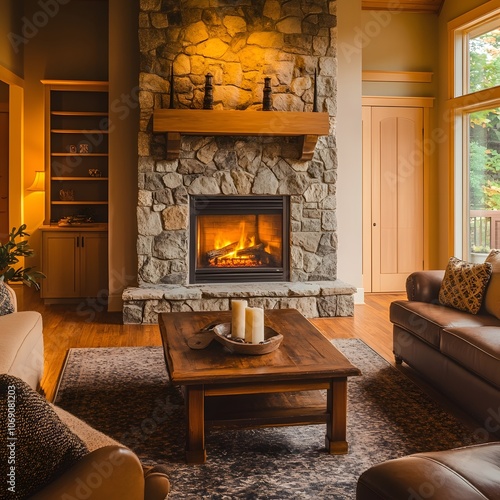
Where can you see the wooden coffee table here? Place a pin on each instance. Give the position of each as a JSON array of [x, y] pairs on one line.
[[284, 387]]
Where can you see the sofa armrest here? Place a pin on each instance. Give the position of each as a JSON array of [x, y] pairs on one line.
[[423, 286], [108, 472]]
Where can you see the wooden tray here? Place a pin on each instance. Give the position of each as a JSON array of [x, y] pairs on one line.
[[221, 333]]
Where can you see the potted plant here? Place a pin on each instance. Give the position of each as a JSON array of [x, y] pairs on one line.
[[10, 252]]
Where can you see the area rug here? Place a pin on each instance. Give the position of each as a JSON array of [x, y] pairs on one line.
[[124, 392]]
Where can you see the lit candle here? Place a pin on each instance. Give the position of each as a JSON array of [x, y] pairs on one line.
[[238, 318], [254, 325]]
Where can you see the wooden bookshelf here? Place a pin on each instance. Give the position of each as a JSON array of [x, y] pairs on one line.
[[77, 133]]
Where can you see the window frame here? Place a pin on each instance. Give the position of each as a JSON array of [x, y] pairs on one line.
[[460, 104]]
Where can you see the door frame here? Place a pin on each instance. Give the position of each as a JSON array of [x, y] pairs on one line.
[[369, 102], [16, 145]]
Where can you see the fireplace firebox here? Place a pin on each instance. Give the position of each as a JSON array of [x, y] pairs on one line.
[[239, 239]]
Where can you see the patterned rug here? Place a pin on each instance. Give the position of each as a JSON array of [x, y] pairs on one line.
[[125, 393]]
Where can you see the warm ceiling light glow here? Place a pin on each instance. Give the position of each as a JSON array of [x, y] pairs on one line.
[[39, 182]]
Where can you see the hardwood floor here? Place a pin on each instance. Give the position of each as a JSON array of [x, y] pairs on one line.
[[87, 324]]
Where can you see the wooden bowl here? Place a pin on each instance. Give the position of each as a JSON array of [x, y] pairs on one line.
[[222, 334], [272, 340]]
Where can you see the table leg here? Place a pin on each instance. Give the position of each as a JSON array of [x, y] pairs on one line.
[[336, 427], [195, 413]]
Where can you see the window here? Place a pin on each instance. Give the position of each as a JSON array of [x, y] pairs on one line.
[[475, 100]]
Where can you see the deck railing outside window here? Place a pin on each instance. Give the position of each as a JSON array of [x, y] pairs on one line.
[[484, 230]]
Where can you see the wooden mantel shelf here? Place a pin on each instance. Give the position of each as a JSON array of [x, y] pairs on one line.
[[177, 122]]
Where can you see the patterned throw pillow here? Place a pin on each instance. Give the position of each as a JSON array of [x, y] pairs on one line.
[[492, 295], [34, 441], [464, 285], [6, 305]]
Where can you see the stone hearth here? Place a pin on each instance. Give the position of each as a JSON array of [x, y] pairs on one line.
[[312, 299], [240, 43]]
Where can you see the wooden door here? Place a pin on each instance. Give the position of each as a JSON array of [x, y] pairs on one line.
[[396, 177], [4, 176]]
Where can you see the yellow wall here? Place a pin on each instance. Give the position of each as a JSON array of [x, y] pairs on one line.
[[11, 72], [10, 28]]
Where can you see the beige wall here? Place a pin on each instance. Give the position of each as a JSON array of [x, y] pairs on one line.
[[349, 142], [124, 116], [397, 41]]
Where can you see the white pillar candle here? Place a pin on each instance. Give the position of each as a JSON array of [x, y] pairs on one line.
[[254, 325], [238, 318]]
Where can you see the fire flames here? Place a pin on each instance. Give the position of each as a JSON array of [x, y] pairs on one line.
[[245, 252]]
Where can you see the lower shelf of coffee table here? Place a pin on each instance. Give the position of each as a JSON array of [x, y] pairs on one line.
[[261, 410]]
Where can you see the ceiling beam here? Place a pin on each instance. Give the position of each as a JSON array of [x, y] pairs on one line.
[[418, 6]]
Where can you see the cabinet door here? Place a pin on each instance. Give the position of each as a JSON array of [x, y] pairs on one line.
[[94, 264], [60, 264]]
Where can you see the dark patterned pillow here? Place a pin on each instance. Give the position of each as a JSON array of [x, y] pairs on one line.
[[36, 445], [464, 285], [6, 305]]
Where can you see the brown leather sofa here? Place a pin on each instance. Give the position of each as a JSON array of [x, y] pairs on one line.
[[469, 473], [457, 352]]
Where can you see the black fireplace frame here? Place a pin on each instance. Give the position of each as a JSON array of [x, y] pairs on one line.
[[234, 205]]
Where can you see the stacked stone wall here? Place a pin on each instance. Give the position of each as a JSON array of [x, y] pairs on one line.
[[240, 42]]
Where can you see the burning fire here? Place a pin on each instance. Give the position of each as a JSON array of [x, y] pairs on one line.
[[242, 253]]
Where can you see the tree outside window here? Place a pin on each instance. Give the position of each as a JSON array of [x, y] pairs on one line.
[[484, 138]]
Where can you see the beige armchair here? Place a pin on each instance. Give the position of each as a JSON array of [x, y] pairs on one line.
[[110, 471]]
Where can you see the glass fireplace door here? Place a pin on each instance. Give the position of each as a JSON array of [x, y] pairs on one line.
[[239, 238]]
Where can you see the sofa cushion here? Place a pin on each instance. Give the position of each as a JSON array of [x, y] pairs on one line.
[[428, 320], [464, 285], [6, 304], [492, 296], [21, 346], [37, 443], [476, 349], [468, 473]]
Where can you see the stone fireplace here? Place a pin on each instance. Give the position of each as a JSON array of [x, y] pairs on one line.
[[240, 42], [235, 239]]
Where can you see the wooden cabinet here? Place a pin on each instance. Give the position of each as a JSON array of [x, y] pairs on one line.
[[77, 128], [75, 263]]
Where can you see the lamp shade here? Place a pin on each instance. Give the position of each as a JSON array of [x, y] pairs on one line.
[[39, 182]]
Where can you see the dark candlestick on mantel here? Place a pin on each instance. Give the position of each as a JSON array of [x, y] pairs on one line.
[[267, 102], [172, 87], [208, 101], [315, 101]]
